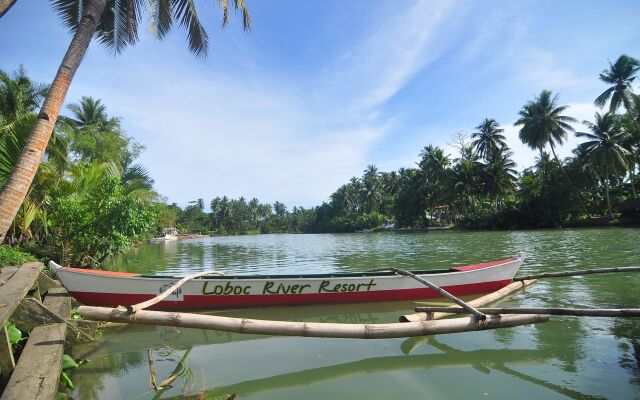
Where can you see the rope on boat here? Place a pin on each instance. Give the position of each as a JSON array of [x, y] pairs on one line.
[[578, 312], [578, 272], [468, 307], [166, 293]]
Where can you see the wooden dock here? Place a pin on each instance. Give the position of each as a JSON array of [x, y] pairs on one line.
[[41, 308]]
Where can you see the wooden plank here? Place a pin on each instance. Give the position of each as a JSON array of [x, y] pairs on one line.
[[31, 313], [58, 300], [7, 362], [38, 370], [88, 328], [46, 283], [14, 290], [6, 273]]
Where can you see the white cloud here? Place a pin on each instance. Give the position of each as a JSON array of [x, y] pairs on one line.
[[259, 133], [373, 71], [541, 69]]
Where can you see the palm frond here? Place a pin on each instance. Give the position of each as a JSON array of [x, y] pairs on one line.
[[601, 100], [118, 27], [246, 18], [12, 142], [160, 18], [69, 11], [198, 39]]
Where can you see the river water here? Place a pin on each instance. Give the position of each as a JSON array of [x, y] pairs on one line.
[[566, 358]]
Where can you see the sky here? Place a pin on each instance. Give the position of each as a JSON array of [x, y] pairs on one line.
[[317, 91]]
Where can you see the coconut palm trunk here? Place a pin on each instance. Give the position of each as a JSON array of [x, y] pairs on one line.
[[606, 192], [13, 193], [564, 172], [632, 167], [5, 5]]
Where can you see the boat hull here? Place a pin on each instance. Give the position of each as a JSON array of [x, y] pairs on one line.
[[104, 288]]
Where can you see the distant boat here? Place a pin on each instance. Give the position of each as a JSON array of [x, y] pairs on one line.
[[168, 235], [111, 289]]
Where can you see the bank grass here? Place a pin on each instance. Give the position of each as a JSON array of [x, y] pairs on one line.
[[14, 256]]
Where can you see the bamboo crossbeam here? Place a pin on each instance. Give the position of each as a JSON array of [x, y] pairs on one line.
[[166, 293], [578, 312], [479, 302], [441, 291], [578, 272], [307, 329]]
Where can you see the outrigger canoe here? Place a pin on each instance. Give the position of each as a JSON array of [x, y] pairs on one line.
[[112, 289]]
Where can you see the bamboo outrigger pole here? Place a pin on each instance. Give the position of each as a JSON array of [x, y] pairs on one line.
[[479, 302], [578, 312], [468, 307], [578, 272], [307, 329], [137, 315]]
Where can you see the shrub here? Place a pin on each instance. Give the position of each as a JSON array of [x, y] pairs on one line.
[[13, 256]]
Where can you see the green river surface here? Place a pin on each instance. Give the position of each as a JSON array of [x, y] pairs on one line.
[[565, 358]]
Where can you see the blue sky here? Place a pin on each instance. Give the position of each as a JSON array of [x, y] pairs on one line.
[[319, 90]]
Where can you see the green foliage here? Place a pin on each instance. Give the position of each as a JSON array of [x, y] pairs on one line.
[[13, 256], [118, 25], [68, 364], [14, 334], [93, 225]]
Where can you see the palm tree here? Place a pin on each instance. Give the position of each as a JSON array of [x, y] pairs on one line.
[[434, 168], [93, 135], [372, 189], [137, 180], [543, 123], [467, 178], [89, 112], [620, 75], [19, 94], [631, 127], [488, 138], [501, 174], [115, 24], [604, 148]]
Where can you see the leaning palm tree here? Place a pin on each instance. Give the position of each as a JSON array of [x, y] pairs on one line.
[[488, 138], [543, 123], [604, 148], [620, 75], [115, 25], [5, 5]]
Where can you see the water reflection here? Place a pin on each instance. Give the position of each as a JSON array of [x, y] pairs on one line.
[[575, 358]]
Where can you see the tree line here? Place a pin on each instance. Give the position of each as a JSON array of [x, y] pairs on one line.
[[90, 199], [479, 186]]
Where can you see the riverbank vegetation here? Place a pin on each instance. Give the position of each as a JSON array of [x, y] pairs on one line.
[[479, 186], [91, 199]]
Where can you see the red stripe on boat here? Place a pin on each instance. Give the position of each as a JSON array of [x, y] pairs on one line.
[[100, 272], [215, 301], [484, 265]]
